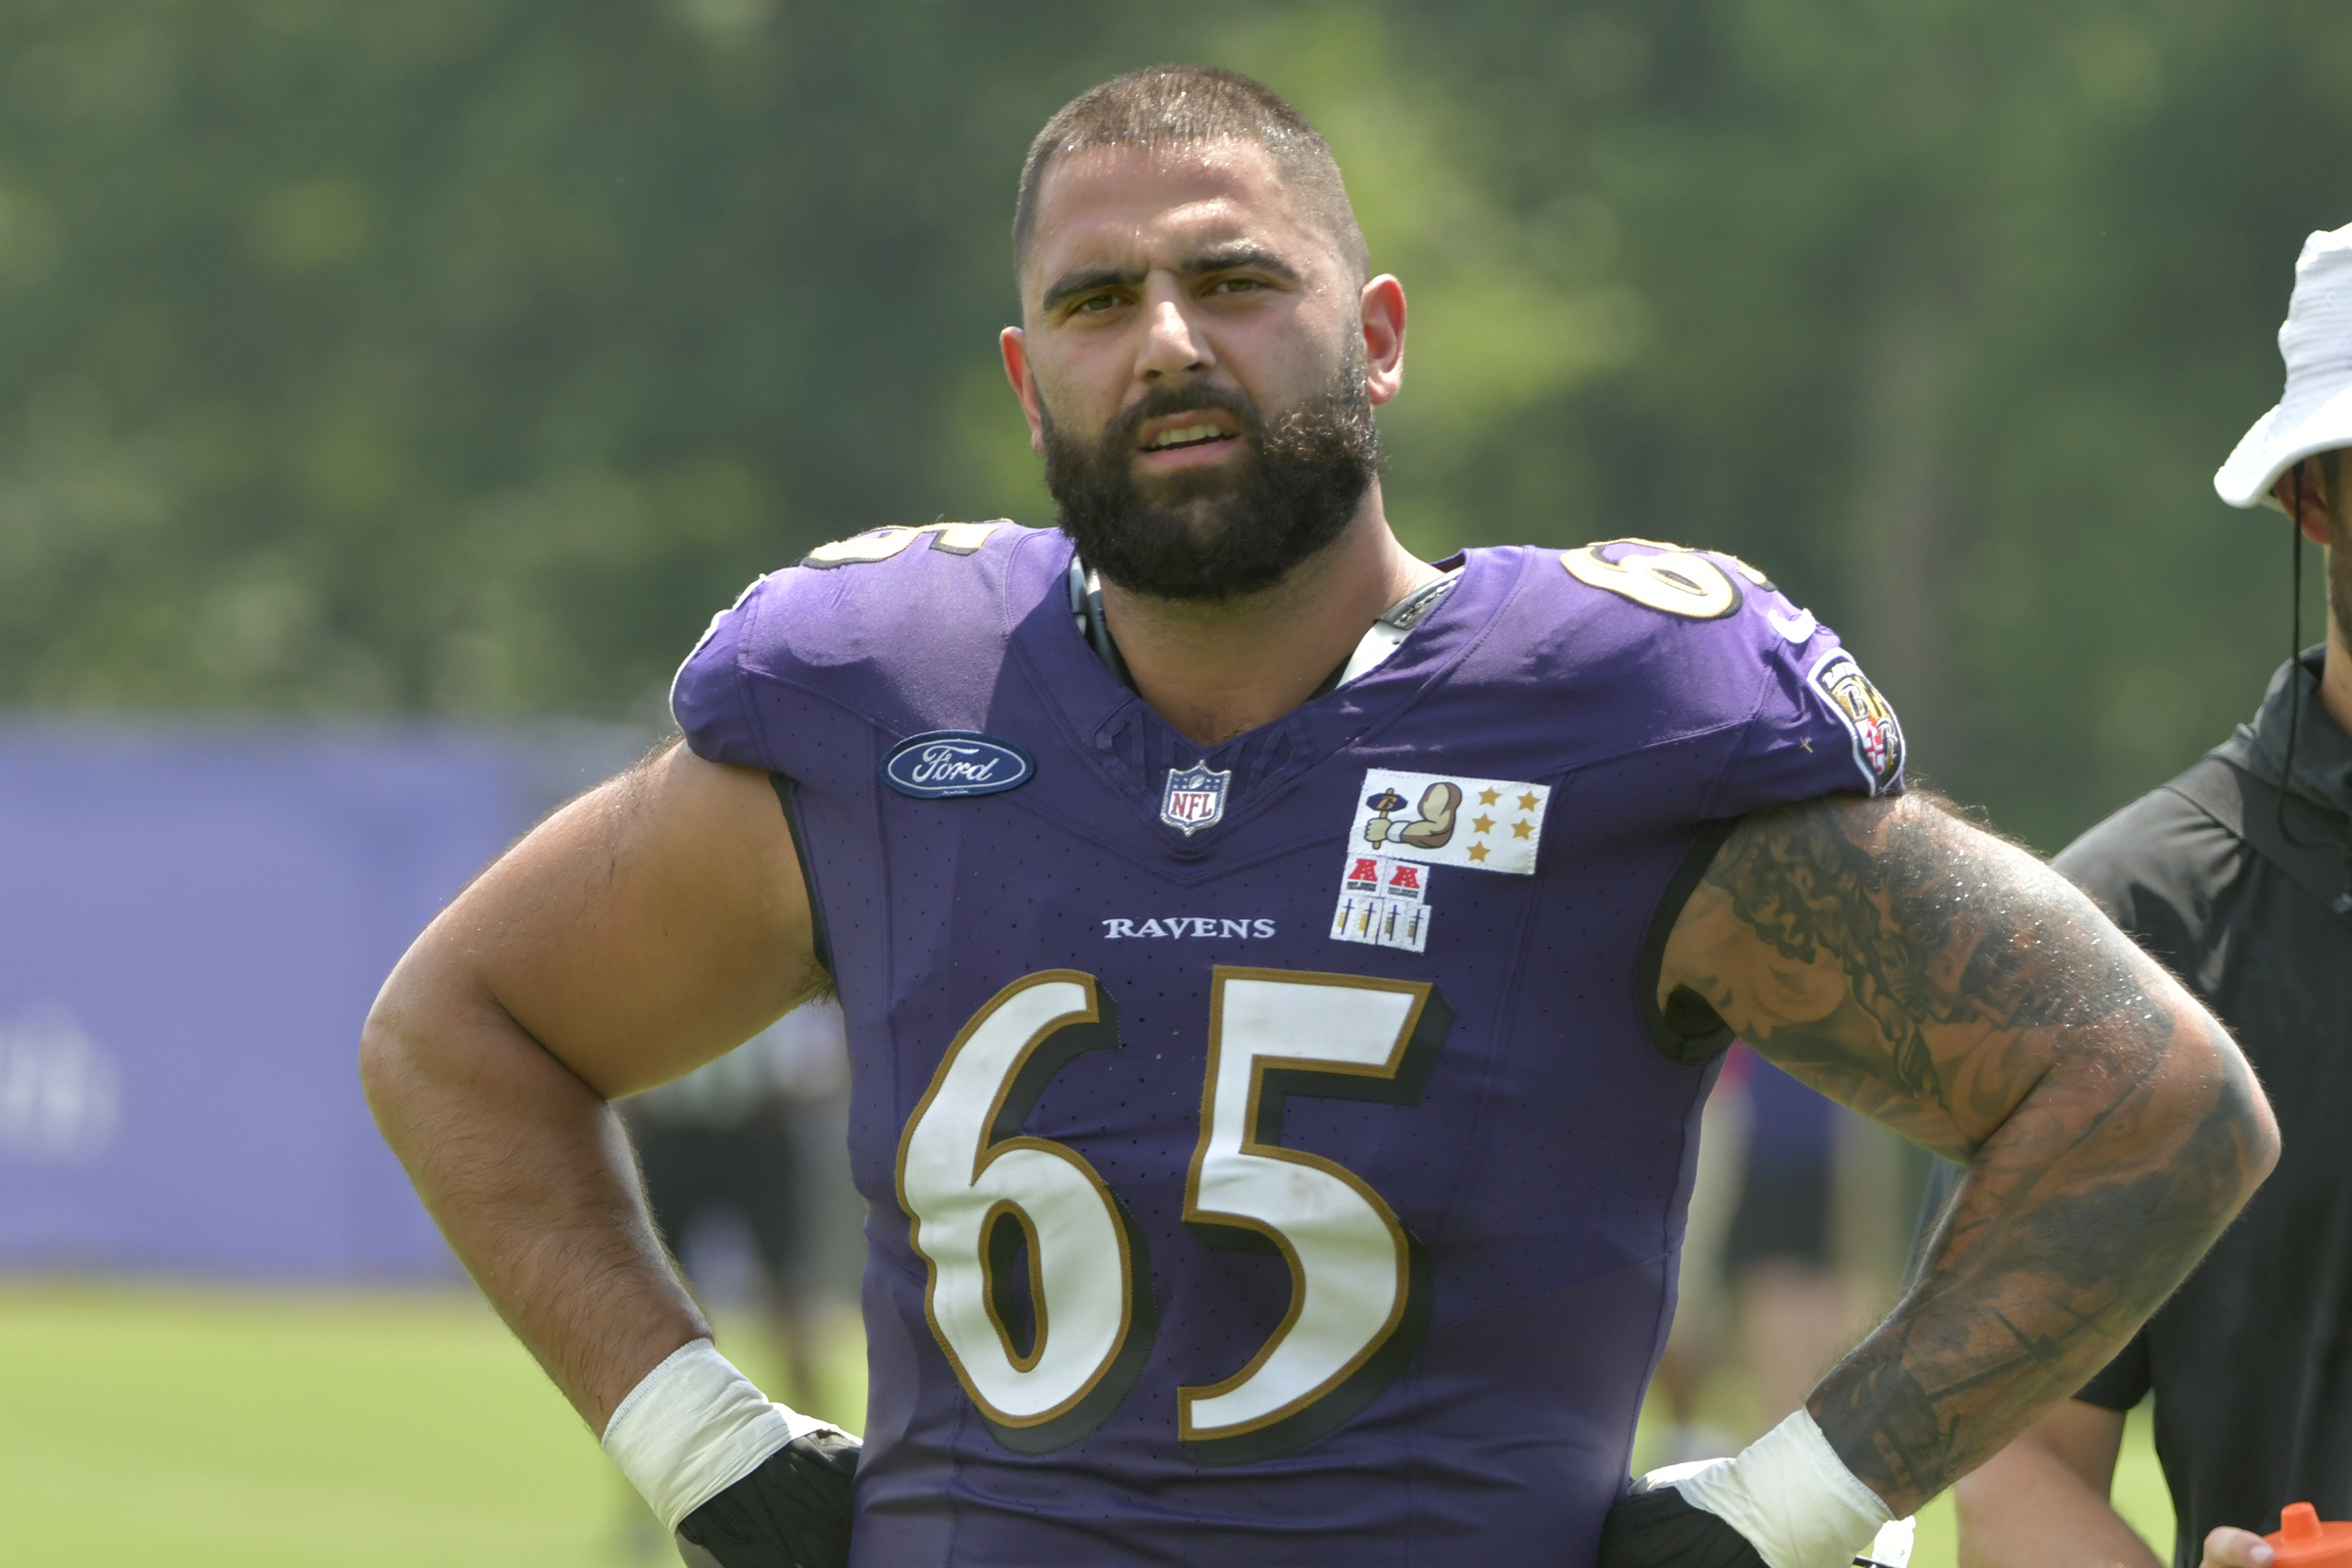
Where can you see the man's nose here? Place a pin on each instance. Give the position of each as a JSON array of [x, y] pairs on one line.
[[1172, 345]]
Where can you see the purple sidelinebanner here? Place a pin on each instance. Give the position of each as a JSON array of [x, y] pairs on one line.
[[192, 924]]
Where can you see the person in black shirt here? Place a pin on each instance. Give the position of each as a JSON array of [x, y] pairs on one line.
[[2236, 875]]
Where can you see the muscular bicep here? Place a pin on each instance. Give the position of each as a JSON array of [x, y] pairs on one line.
[[1909, 964], [651, 925]]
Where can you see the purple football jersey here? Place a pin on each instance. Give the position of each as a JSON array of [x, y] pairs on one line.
[[1267, 1157]]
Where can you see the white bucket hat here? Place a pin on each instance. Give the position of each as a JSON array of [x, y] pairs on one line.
[[2315, 413]]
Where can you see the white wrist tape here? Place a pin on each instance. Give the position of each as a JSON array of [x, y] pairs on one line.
[[1791, 1496], [693, 1427]]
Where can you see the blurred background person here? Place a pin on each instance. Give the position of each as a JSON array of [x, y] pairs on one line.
[[736, 1159], [725, 1158], [1795, 1304], [1785, 1247], [2238, 876]]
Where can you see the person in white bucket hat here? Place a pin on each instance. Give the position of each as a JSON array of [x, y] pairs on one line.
[[2292, 458], [2237, 875]]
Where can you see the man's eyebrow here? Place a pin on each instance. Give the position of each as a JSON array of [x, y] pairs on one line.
[[1232, 258], [1073, 283], [1222, 258]]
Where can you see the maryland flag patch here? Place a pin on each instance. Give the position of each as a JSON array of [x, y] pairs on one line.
[[1867, 715]]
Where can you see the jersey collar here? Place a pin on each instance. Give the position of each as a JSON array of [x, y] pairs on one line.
[[1132, 746]]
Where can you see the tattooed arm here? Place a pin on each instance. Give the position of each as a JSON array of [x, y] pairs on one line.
[[1955, 989]]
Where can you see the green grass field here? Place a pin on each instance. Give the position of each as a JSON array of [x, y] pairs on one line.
[[244, 1429]]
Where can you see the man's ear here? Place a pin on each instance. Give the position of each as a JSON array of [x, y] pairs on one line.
[[1013, 343], [1384, 338], [2317, 477]]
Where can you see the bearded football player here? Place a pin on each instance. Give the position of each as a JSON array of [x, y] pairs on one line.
[[1282, 976]]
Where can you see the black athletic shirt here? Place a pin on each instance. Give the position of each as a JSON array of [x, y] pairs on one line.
[[2251, 1360]]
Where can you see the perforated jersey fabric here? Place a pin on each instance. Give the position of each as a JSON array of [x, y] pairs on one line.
[[1530, 1144]]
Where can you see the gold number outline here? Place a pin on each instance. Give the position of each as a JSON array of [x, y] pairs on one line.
[[881, 544], [1713, 592], [996, 1259], [1398, 1081], [1093, 1028]]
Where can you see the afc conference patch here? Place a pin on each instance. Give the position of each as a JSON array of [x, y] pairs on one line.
[[1867, 715], [1195, 797], [1382, 903]]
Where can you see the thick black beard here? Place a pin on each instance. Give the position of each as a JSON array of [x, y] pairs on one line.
[[1215, 537]]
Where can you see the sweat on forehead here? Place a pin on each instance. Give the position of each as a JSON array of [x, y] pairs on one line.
[[1174, 106]]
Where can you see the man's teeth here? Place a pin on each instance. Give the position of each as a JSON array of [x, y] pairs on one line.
[[1189, 432]]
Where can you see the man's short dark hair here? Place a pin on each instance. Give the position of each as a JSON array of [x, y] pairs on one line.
[[1167, 106]]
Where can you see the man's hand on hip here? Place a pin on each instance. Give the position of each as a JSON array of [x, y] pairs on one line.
[[743, 1481], [792, 1512]]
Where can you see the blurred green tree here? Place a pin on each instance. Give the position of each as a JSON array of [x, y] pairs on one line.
[[461, 356], [1951, 311]]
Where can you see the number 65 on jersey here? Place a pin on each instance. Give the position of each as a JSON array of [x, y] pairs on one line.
[[983, 1194]]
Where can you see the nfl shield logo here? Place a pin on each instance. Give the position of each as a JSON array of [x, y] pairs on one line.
[[1195, 797]]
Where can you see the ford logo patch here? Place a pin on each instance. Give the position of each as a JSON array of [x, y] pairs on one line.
[[955, 762]]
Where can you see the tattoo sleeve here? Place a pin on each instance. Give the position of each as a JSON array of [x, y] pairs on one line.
[[1955, 989]]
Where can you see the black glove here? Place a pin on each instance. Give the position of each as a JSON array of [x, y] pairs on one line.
[[792, 1512], [1657, 1527]]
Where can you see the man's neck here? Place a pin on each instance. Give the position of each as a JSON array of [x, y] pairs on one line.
[[2336, 676], [1216, 669]]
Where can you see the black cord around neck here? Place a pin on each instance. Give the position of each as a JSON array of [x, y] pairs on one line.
[[2294, 695], [2295, 660]]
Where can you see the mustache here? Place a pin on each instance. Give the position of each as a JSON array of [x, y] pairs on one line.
[[1160, 401]]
